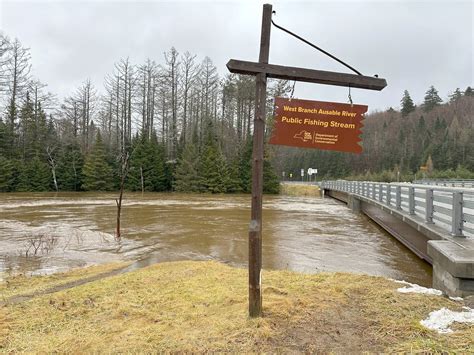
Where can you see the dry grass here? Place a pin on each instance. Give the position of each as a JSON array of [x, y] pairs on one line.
[[22, 284], [202, 307], [299, 190]]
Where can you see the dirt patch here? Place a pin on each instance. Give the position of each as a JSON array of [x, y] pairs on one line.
[[332, 330]]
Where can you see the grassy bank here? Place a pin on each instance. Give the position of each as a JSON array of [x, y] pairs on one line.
[[299, 189], [202, 306]]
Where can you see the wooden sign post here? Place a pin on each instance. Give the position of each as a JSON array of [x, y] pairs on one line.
[[263, 70]]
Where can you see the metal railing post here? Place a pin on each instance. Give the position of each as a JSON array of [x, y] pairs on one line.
[[398, 197], [457, 215], [380, 192], [429, 206], [389, 194], [411, 200], [373, 191]]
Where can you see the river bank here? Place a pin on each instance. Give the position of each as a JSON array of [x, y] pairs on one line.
[[295, 189], [202, 307]]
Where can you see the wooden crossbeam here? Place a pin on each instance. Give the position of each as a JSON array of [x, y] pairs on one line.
[[307, 75]]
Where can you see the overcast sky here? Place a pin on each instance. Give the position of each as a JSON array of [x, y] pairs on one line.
[[413, 44]]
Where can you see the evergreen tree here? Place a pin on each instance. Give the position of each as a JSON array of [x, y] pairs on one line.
[[3, 136], [138, 166], [186, 177], [147, 166], [455, 96], [470, 151], [28, 136], [432, 99], [407, 104], [213, 171], [97, 172], [69, 168], [35, 176], [271, 183], [7, 174], [469, 91], [161, 175], [245, 167], [234, 182]]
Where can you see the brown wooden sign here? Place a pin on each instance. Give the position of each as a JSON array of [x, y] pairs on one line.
[[318, 124]]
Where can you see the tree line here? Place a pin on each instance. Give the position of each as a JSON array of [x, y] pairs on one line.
[[182, 126], [185, 128]]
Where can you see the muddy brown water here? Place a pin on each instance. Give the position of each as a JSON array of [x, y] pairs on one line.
[[308, 234]]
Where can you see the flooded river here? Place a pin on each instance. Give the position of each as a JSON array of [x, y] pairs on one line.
[[43, 233]]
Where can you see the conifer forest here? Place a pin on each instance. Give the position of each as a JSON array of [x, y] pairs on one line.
[[173, 123]]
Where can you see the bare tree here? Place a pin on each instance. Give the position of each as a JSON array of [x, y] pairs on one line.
[[52, 164], [39, 244], [147, 85], [41, 98], [4, 51], [18, 69], [209, 81], [163, 108], [121, 91], [69, 111], [171, 75], [86, 99], [188, 79], [123, 175]]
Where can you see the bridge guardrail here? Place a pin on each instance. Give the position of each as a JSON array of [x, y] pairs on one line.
[[446, 182], [452, 209]]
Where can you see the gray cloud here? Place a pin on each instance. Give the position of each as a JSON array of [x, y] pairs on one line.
[[413, 44]]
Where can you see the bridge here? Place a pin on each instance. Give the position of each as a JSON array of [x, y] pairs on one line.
[[435, 222]]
